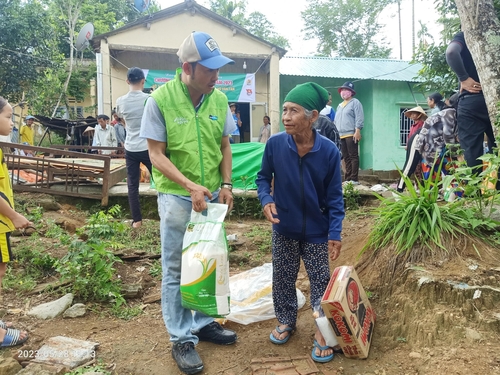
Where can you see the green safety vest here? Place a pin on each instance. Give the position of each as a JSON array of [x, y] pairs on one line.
[[193, 137]]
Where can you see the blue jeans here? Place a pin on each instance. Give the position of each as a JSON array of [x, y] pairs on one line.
[[175, 212]]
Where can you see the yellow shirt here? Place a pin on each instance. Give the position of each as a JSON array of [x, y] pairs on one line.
[[27, 135], [5, 193]]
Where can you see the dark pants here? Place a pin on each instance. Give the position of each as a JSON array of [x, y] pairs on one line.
[[134, 160], [413, 158], [473, 123], [351, 158]]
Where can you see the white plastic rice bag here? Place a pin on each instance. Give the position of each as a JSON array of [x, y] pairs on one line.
[[251, 295], [205, 263]]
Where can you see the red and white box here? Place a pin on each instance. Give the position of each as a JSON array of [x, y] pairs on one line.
[[348, 310]]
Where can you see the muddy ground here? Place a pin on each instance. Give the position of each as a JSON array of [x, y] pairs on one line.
[[423, 326]]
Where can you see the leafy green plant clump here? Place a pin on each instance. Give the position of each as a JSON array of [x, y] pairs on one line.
[[89, 265], [419, 219], [352, 198]]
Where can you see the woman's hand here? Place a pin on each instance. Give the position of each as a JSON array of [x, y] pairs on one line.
[[334, 248], [270, 213]]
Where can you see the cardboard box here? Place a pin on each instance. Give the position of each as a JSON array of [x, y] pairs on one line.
[[349, 312]]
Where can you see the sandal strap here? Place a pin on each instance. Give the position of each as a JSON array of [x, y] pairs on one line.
[[12, 338], [317, 345], [286, 329]]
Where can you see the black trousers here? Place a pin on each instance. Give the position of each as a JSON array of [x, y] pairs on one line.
[[134, 160], [350, 154], [473, 123]]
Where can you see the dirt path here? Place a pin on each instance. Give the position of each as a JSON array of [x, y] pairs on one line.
[[418, 331]]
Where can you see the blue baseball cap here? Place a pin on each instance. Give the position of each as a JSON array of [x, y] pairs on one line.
[[202, 48], [29, 117]]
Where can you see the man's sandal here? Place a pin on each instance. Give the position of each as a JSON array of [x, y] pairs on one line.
[[274, 340], [13, 338]]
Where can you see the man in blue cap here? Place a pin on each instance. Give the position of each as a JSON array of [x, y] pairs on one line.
[[187, 124]]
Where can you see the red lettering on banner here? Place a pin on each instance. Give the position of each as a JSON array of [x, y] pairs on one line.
[[162, 80], [344, 331], [224, 83]]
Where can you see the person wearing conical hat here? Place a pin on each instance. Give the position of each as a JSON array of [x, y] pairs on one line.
[[305, 207], [418, 116]]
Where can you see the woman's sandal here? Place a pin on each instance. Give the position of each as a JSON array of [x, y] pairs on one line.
[[320, 359], [274, 340], [5, 325], [13, 338]]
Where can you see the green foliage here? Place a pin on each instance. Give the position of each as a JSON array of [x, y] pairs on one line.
[[232, 10], [155, 269], [89, 265], [93, 369], [103, 225], [246, 205], [55, 231], [29, 266], [256, 22], [347, 28], [146, 238], [125, 312], [27, 44], [416, 220], [352, 198], [435, 71]]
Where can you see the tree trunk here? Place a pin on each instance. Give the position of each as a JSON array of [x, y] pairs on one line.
[[482, 33]]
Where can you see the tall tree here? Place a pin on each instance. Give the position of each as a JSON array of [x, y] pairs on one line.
[[27, 47], [481, 28], [258, 24], [232, 10], [347, 28]]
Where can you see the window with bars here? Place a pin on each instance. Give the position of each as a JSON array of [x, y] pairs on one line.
[[63, 113], [404, 126]]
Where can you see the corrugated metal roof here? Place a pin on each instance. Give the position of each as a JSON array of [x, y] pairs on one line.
[[352, 68]]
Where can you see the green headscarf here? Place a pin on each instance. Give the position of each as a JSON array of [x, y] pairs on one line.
[[309, 95]]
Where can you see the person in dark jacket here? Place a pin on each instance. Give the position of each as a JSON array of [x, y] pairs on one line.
[[306, 208], [472, 114], [327, 128]]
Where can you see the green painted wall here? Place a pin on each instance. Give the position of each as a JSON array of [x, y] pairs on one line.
[[382, 100]]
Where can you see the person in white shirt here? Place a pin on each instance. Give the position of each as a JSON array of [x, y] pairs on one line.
[[104, 135], [131, 108], [328, 111]]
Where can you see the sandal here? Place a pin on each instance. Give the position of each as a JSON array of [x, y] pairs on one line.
[[274, 340], [5, 325], [13, 338], [320, 359]]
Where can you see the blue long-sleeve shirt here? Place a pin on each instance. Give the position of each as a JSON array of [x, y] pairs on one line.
[[307, 190]]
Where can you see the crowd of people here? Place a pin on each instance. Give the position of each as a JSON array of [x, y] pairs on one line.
[[182, 133]]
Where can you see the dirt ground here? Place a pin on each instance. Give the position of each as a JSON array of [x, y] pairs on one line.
[[424, 326]]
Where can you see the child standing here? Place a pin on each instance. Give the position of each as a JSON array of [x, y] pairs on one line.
[[9, 220]]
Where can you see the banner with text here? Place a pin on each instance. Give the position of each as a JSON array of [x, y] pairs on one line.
[[237, 87]]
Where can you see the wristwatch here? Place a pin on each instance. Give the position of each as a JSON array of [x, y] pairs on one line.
[[227, 185]]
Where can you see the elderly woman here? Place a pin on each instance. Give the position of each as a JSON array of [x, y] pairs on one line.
[[306, 208], [418, 116]]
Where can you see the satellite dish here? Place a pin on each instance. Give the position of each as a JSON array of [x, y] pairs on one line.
[[142, 5], [85, 34]]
